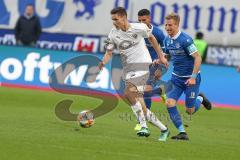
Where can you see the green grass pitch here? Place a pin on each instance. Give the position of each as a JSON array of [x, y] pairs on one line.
[[30, 130]]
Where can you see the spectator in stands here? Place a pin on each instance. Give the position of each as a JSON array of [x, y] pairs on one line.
[[28, 27], [201, 45], [238, 68]]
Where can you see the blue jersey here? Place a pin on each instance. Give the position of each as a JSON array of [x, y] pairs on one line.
[[180, 48], [158, 34]]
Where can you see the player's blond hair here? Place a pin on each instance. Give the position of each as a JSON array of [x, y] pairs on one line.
[[173, 16]]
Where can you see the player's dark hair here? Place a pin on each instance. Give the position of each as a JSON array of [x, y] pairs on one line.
[[29, 5], [144, 12], [173, 16], [120, 11], [199, 35]]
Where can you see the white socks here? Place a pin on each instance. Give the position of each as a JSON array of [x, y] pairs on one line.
[[137, 110], [200, 98], [155, 121]]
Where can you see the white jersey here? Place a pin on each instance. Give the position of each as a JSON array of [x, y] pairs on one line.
[[132, 47]]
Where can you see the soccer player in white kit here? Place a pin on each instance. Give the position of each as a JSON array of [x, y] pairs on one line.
[[128, 38]]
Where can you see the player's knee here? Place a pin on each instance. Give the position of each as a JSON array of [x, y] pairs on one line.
[[190, 111], [148, 88], [170, 102], [126, 94], [129, 97]]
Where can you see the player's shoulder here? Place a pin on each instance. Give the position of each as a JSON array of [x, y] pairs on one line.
[[185, 38], [158, 32], [185, 35], [167, 39], [138, 26], [156, 29], [113, 31]]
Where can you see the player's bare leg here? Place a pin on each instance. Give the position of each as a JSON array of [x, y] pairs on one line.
[[137, 108], [151, 116]]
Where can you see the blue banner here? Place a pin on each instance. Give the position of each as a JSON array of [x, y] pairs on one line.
[[34, 67]]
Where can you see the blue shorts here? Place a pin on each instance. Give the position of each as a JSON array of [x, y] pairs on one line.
[[179, 86], [157, 83]]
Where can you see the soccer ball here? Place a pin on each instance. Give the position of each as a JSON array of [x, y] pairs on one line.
[[85, 119]]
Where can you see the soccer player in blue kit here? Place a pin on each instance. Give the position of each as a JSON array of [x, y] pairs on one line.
[[156, 70], [144, 17], [185, 77]]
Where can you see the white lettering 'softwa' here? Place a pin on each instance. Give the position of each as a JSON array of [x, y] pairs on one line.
[[35, 68]]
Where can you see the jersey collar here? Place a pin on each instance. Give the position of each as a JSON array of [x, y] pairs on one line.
[[176, 36], [151, 27]]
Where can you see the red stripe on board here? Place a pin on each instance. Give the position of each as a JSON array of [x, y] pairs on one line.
[[25, 87], [65, 91], [217, 105]]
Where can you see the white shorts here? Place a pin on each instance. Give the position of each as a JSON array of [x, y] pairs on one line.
[[138, 79]]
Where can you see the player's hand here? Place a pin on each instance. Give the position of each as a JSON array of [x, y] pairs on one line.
[[164, 62], [156, 61], [161, 61], [101, 65], [191, 82]]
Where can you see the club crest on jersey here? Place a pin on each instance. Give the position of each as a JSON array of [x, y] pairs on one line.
[[177, 45], [134, 36], [125, 45]]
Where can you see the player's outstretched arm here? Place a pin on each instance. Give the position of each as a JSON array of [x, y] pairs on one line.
[[197, 62], [107, 56], [196, 68], [157, 48]]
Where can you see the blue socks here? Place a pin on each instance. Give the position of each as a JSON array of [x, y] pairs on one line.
[[148, 99], [148, 95], [198, 103], [176, 118], [157, 91]]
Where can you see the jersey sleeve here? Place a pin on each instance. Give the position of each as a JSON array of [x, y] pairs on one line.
[[146, 32], [164, 47], [160, 37], [190, 47], [109, 43]]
